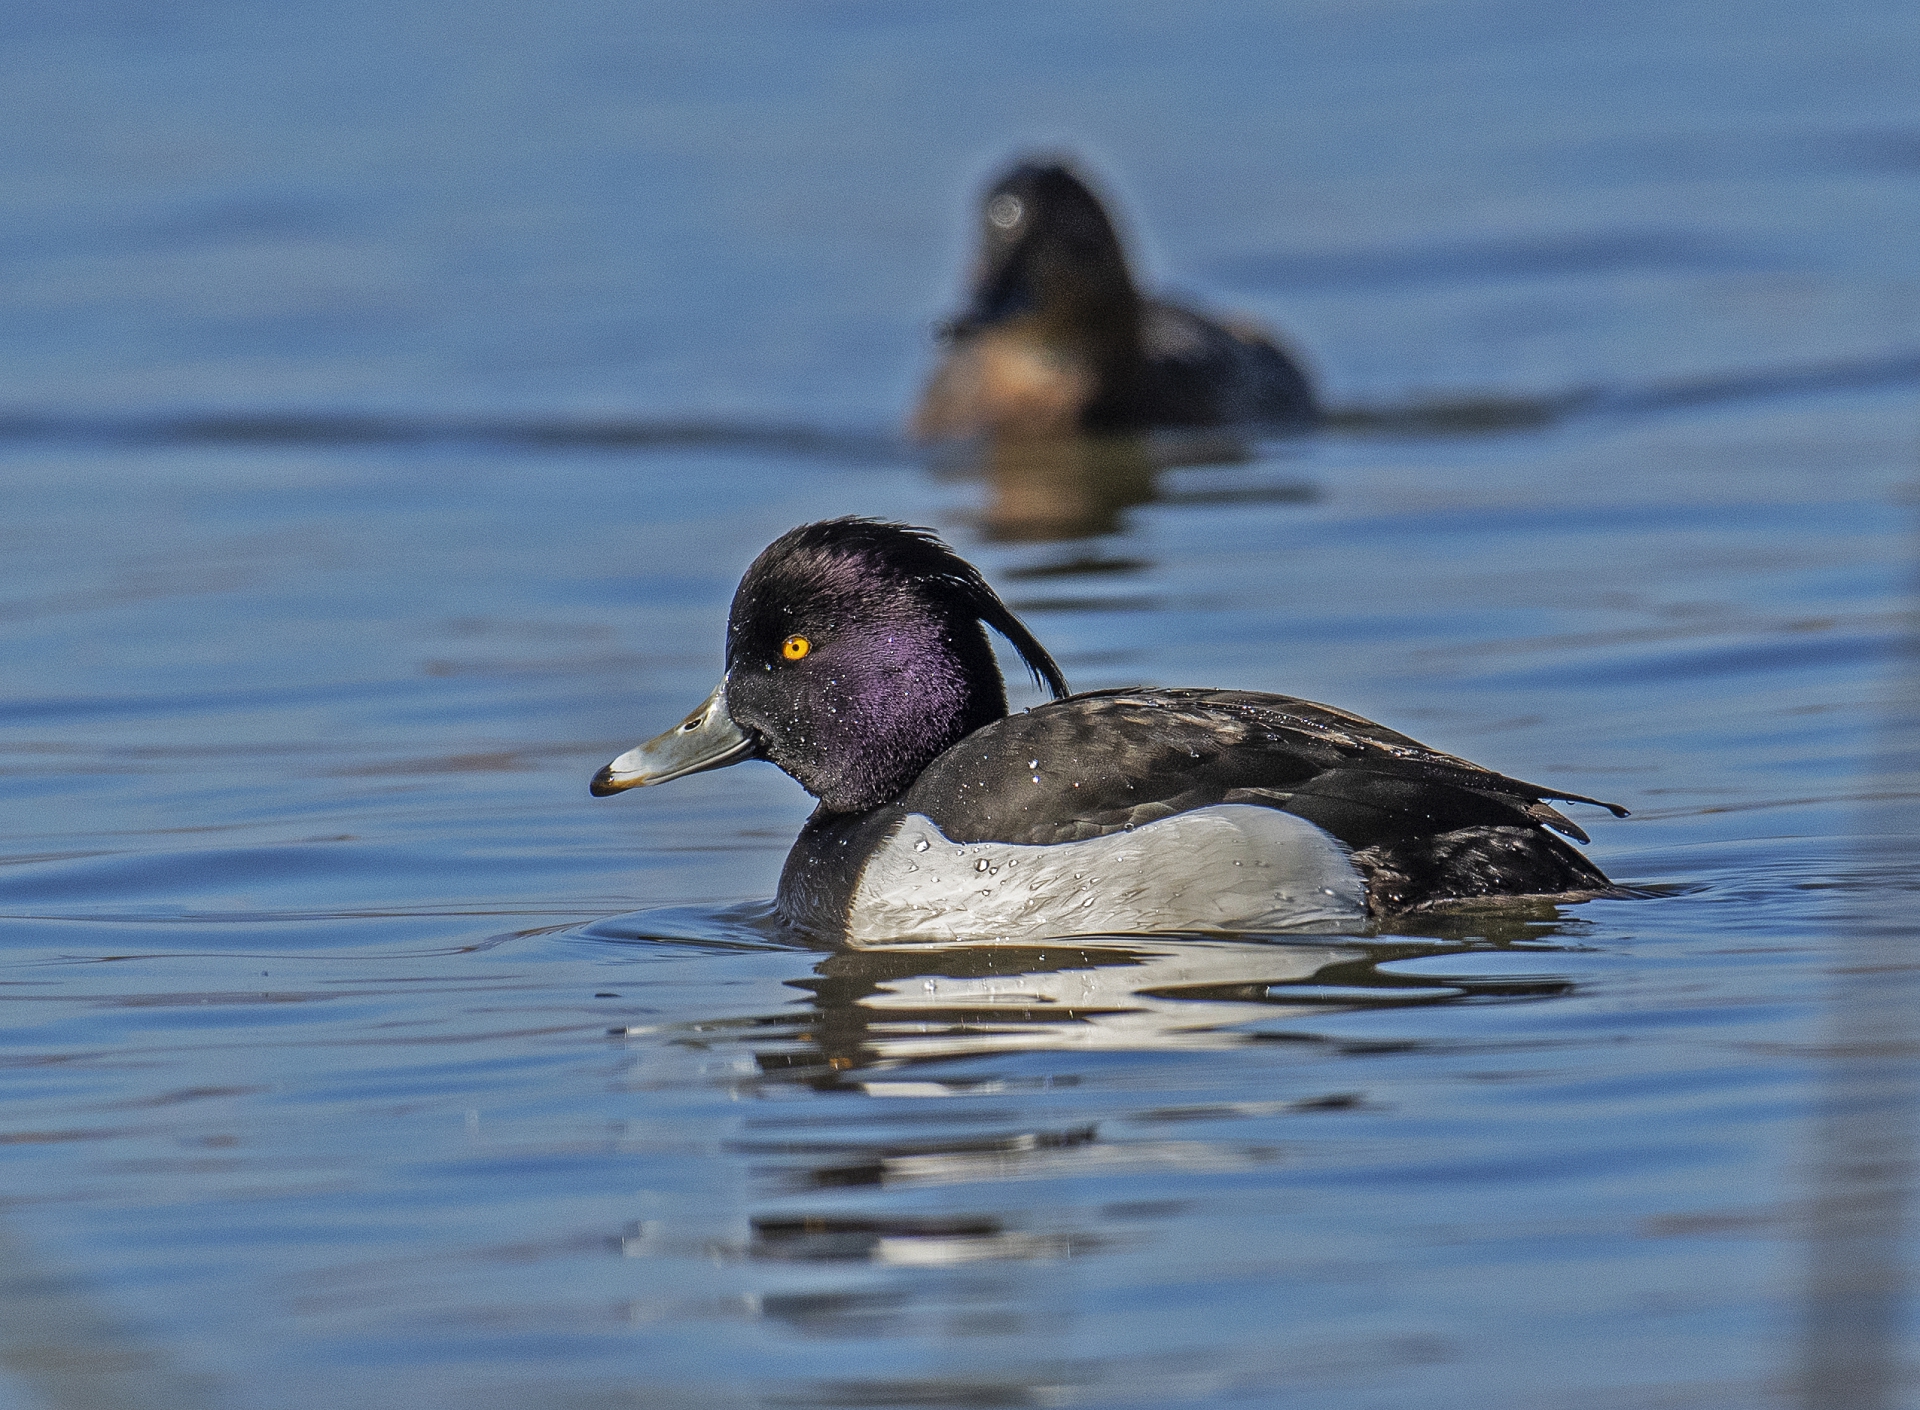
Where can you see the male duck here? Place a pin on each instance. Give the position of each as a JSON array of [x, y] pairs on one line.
[[857, 661], [1056, 340]]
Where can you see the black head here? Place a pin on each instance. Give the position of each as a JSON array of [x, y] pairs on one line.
[[857, 652], [1048, 251]]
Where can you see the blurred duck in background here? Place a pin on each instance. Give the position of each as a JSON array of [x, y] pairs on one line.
[[1057, 340]]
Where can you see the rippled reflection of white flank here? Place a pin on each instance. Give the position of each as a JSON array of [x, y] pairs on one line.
[[1865, 1132], [1148, 997]]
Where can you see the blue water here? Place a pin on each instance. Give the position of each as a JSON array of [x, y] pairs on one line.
[[391, 396]]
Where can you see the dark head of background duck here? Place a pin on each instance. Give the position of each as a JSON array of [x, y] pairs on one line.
[[1051, 264], [897, 667]]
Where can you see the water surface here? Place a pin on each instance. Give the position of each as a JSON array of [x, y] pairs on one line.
[[393, 398]]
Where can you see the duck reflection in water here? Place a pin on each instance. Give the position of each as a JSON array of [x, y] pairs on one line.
[[1046, 489], [882, 1020], [1067, 388]]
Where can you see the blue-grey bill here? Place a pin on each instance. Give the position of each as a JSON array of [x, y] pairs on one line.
[[706, 739]]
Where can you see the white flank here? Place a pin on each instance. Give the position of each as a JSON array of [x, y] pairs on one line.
[[1233, 866]]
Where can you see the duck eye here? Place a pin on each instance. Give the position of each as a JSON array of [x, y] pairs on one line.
[[1005, 211], [794, 647]]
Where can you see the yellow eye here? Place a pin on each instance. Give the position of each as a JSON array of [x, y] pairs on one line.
[[794, 647]]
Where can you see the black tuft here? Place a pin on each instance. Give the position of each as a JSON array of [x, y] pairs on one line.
[[920, 556]]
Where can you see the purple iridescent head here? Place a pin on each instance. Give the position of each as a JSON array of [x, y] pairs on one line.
[[856, 654]]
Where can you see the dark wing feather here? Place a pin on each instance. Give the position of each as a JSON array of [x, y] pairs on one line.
[[1110, 760], [1206, 371], [1367, 746]]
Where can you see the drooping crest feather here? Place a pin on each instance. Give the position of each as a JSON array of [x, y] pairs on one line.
[[919, 556]]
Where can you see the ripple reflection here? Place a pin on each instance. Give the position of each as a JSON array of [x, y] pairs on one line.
[[876, 1017]]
